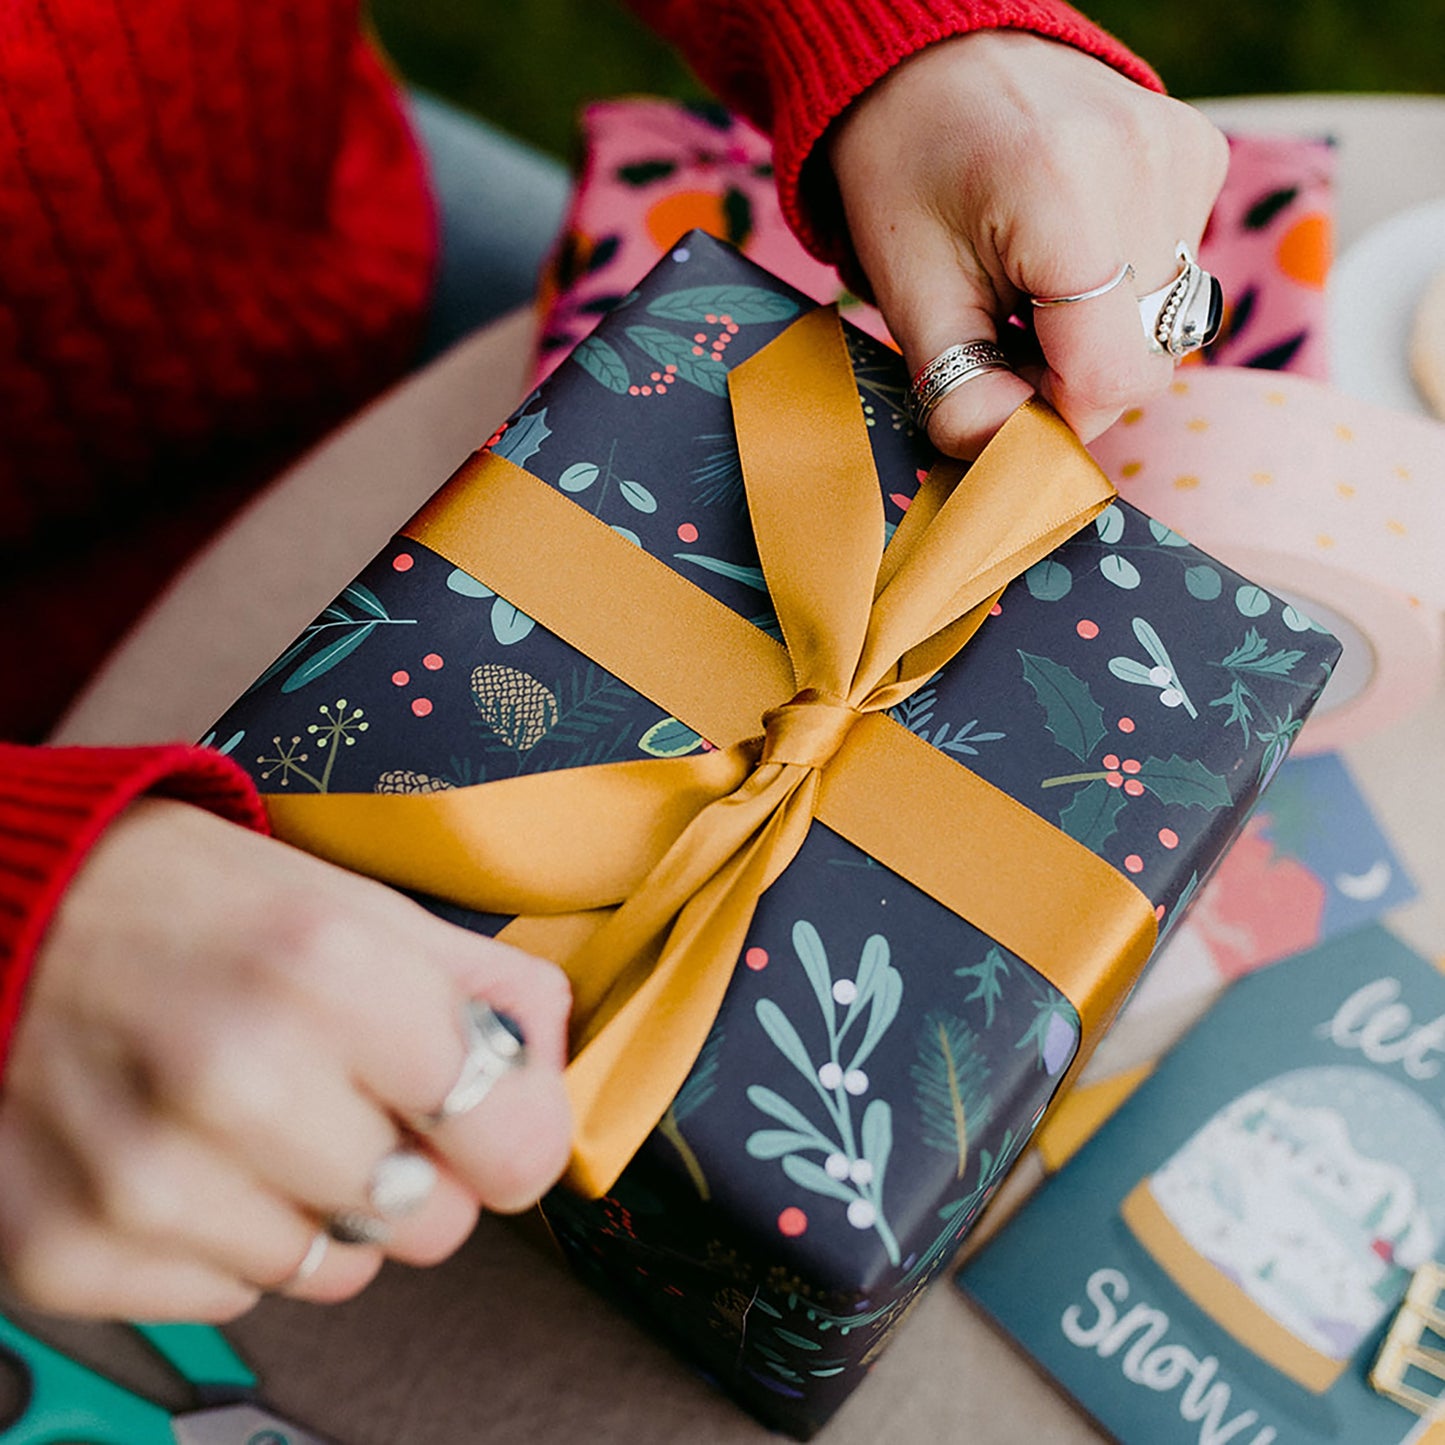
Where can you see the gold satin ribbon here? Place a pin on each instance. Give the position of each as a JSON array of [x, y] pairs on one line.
[[641, 878]]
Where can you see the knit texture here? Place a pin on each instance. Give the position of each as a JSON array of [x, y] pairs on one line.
[[793, 68], [55, 803], [218, 241]]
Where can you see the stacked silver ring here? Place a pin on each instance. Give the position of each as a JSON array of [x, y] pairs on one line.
[[1185, 314], [947, 372]]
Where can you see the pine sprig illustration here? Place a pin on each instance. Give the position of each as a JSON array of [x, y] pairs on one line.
[[949, 1078], [699, 1087]]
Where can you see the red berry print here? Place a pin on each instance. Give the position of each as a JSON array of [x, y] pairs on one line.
[[1134, 788], [1168, 837], [900, 501], [1134, 863], [756, 958], [1114, 779], [792, 1222], [432, 661], [1159, 913], [401, 677], [996, 610], [687, 533], [403, 562], [1086, 629], [1132, 765], [1111, 761], [421, 706], [1126, 724]]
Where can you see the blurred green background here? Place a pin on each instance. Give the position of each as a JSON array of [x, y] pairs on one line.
[[527, 65]]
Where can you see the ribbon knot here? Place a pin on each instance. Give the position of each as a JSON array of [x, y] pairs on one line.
[[807, 730]]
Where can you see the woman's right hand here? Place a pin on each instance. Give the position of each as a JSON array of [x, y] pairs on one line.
[[222, 1040]]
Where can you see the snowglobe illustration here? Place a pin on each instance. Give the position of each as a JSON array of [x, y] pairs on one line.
[[1296, 1215]]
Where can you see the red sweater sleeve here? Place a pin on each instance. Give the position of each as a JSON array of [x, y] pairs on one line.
[[793, 66], [54, 805]]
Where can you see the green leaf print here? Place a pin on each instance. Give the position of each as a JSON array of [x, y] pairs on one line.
[[510, 624], [1048, 580], [1091, 817], [777, 1027], [1070, 712], [990, 975], [602, 363], [1120, 571], [323, 661], [579, 476], [748, 576], [637, 496], [1185, 782], [1110, 525], [743, 304], [523, 439], [812, 1176], [669, 350], [669, 739]]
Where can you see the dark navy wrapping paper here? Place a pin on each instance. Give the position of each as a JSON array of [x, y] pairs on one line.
[[878, 1063]]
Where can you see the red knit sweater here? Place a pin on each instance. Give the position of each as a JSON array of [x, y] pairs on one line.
[[217, 241]]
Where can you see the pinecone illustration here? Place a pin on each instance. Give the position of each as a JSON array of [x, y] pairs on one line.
[[406, 780], [518, 708]]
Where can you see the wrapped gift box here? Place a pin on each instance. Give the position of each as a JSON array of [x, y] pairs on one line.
[[878, 1062]]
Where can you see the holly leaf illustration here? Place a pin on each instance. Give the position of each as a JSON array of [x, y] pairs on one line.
[[1092, 815], [523, 439], [1185, 782], [1070, 712], [748, 576], [743, 304], [602, 363]]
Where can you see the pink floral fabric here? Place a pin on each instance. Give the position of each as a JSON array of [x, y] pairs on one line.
[[654, 169]]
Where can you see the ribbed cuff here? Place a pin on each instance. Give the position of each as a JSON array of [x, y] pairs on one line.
[[54, 805], [823, 55]]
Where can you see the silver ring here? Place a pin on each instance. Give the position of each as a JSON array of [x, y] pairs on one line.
[[1117, 279], [1187, 312], [310, 1263], [947, 372], [492, 1050], [354, 1226]]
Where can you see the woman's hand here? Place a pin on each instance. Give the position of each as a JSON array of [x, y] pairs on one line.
[[998, 165], [221, 1040]]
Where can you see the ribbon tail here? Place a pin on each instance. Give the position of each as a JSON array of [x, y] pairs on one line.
[[680, 939]]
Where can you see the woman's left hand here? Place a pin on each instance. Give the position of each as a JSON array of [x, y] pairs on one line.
[[996, 166]]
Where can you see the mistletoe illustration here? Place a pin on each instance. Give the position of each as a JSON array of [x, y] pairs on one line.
[[854, 1155]]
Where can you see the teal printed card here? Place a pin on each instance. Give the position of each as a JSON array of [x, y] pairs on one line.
[[1219, 1265]]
